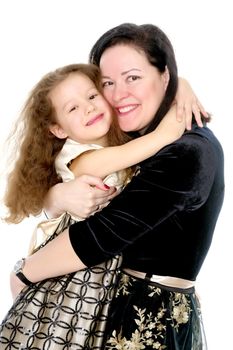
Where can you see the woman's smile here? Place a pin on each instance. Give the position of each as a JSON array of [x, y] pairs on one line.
[[126, 109]]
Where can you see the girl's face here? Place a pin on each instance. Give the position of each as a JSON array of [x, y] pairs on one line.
[[133, 87], [82, 113]]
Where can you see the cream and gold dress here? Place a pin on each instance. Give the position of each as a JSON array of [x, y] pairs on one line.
[[67, 312]]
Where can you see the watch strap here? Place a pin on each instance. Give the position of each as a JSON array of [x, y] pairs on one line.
[[23, 278]]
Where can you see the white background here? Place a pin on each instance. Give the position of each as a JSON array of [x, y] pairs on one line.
[[37, 36]]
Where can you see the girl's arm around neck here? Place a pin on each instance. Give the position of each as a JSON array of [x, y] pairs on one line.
[[105, 161]]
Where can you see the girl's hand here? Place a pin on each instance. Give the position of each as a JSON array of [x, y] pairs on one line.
[[82, 197], [188, 104]]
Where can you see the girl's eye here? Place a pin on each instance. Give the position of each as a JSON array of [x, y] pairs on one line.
[[73, 109], [93, 96]]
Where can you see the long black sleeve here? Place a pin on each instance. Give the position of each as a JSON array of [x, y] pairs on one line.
[[173, 184]]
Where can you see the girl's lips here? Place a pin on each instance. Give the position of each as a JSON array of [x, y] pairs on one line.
[[95, 119]]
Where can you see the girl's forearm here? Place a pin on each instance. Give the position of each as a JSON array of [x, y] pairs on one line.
[[105, 161], [55, 259]]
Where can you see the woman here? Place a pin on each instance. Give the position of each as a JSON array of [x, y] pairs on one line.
[[163, 221]]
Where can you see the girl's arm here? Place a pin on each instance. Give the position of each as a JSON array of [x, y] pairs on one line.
[[107, 160], [188, 104], [81, 196]]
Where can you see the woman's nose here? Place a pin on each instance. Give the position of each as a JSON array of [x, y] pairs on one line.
[[119, 92]]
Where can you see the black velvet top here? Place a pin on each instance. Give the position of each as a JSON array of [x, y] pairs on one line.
[[163, 221]]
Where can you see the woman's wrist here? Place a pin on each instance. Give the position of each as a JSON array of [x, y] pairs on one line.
[[18, 270], [55, 259]]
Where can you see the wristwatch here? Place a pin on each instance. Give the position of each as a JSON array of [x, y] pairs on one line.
[[18, 270]]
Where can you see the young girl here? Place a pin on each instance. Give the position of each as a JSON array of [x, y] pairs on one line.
[[68, 130]]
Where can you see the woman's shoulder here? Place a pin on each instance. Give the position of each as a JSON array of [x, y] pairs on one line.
[[198, 133], [199, 139], [191, 142], [193, 149], [196, 148]]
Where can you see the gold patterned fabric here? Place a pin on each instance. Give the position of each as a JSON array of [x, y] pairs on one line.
[[67, 312]]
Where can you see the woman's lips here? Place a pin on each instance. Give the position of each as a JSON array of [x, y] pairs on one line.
[[126, 109]]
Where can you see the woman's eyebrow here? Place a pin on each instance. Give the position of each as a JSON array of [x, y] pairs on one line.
[[123, 73]]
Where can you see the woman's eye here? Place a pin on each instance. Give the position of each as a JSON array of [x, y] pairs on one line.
[[133, 77], [107, 83]]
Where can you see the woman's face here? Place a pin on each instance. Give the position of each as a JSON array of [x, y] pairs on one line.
[[132, 86]]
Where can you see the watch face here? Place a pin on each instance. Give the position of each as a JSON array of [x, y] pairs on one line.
[[19, 265]]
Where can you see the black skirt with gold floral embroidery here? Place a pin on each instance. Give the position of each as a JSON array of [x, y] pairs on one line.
[[151, 316]]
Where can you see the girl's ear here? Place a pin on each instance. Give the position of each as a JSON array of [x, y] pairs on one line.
[[56, 130], [166, 76]]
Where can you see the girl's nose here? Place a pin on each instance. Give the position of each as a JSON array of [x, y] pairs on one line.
[[90, 107]]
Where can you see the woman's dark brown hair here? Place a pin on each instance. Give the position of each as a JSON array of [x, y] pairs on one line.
[[155, 44]]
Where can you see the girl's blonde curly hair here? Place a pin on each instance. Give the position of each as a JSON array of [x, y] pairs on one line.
[[34, 171]]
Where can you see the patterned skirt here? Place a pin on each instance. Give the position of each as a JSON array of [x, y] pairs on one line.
[[67, 312], [153, 316]]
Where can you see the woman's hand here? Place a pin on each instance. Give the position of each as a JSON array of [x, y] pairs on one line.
[[82, 197], [15, 285], [188, 104]]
